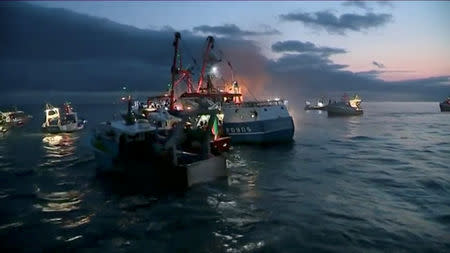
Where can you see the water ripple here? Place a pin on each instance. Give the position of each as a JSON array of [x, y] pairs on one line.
[[58, 201]]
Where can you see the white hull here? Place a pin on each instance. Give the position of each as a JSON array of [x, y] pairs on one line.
[[206, 170], [57, 123], [258, 122], [69, 128]]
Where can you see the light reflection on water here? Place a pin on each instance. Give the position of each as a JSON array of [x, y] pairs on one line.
[[60, 150], [237, 213], [378, 181], [62, 205], [58, 201]]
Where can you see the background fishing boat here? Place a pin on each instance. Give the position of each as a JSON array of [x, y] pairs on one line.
[[183, 153], [320, 105], [346, 107], [65, 122], [14, 118], [445, 105]]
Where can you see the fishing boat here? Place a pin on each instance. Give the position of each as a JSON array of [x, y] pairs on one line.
[[445, 105], [258, 121], [65, 122], [320, 105], [346, 107], [14, 118], [136, 146], [120, 140], [3, 129]]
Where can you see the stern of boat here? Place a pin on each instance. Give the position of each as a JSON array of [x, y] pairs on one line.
[[207, 170]]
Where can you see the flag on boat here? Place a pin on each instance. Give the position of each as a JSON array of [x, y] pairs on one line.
[[215, 128]]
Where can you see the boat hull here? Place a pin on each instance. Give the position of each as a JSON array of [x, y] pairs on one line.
[[158, 171], [207, 170], [445, 107], [109, 158], [63, 128], [264, 131], [3, 129], [343, 111], [322, 108]]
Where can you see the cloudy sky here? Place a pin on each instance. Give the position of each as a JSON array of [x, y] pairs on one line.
[[410, 38], [311, 47]]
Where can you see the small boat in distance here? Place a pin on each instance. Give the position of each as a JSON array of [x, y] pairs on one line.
[[14, 117], [66, 123], [320, 105], [3, 129], [445, 105], [346, 107]]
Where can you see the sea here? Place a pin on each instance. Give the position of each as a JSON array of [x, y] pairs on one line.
[[379, 182]]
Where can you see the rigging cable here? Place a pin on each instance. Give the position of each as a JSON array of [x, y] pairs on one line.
[[229, 63]]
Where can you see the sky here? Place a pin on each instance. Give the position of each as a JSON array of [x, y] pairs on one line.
[[413, 43], [381, 50]]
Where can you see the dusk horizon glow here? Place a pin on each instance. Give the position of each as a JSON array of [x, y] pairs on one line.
[[412, 44], [381, 50]]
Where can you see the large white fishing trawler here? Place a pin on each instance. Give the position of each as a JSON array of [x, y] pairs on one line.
[[258, 121]]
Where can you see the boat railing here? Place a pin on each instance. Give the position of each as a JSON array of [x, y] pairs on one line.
[[259, 103]]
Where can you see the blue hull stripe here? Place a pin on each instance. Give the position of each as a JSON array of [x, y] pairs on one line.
[[275, 130]]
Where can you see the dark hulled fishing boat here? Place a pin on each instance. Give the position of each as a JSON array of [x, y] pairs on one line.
[[445, 105], [346, 107]]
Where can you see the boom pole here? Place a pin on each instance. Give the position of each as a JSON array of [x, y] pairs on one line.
[[174, 70], [209, 46]]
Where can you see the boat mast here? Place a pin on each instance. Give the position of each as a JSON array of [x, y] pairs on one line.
[[231, 70], [174, 70], [209, 46]]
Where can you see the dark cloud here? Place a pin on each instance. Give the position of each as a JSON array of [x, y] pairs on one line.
[[386, 3], [339, 24], [378, 64], [357, 4], [365, 4], [369, 73], [424, 83], [304, 47], [322, 78], [293, 62], [53, 49], [45, 48], [375, 73], [232, 30]]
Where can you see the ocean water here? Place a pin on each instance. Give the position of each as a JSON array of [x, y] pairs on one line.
[[375, 183]]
